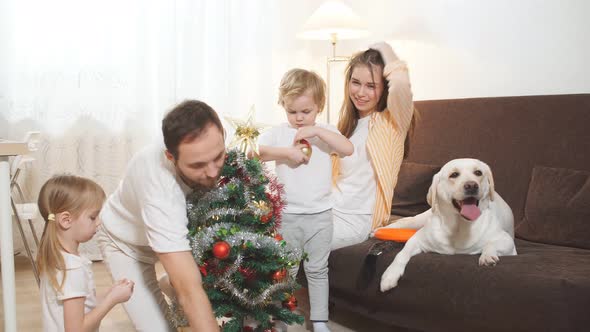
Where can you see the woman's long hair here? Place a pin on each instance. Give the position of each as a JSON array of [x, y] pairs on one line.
[[59, 194], [349, 114]]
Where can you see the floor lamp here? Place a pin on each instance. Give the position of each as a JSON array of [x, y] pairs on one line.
[[333, 21]]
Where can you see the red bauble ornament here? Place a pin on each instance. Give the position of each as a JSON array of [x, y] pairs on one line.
[[307, 149], [248, 273], [266, 218], [248, 329], [203, 269], [290, 303], [221, 250], [304, 142], [279, 275], [279, 237], [223, 181]]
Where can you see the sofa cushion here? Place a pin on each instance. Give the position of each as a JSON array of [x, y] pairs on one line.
[[557, 208], [414, 179]]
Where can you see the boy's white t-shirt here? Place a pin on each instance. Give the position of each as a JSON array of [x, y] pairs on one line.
[[308, 186], [147, 212], [357, 184], [79, 282]]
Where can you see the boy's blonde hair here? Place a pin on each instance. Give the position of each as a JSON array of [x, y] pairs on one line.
[[297, 81], [59, 194]]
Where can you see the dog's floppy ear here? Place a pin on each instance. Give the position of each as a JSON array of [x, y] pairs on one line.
[[431, 196], [490, 177]]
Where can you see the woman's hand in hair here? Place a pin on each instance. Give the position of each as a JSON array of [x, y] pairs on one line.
[[386, 51]]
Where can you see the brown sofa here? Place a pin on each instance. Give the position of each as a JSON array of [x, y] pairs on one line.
[[539, 150]]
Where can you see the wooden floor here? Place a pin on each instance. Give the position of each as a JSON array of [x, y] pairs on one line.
[[28, 306]]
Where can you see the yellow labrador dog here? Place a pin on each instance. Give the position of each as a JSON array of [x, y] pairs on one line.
[[466, 217]]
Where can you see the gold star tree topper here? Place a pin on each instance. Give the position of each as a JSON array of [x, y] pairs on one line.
[[246, 132]]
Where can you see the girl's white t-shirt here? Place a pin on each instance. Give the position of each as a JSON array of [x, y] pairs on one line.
[[357, 185], [79, 282]]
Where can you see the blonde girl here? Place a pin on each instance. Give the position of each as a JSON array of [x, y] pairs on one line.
[[70, 205]]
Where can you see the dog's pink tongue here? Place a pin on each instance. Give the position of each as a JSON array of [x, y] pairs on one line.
[[469, 209]]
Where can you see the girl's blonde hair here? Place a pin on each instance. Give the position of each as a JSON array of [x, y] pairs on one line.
[[59, 194], [297, 81], [349, 115]]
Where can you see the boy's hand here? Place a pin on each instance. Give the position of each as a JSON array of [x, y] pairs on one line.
[[306, 132], [386, 51], [121, 291], [296, 156]]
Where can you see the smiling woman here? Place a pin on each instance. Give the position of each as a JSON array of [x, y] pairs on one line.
[[377, 121]]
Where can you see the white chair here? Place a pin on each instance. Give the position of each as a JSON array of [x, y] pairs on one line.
[[21, 208]]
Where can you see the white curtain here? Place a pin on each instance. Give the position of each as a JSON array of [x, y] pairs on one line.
[[96, 77]]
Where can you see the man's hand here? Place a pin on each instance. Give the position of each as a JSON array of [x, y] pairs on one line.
[[185, 278]]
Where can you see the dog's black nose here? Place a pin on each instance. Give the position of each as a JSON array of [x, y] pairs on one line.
[[471, 187]]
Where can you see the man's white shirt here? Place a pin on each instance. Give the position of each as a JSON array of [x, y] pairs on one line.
[[147, 212]]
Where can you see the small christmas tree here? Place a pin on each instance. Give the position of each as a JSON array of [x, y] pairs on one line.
[[243, 260]]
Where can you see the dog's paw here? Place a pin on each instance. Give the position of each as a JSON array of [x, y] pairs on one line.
[[488, 260], [390, 278]]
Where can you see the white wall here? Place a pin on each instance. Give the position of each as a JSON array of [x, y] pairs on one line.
[[454, 49], [476, 48]]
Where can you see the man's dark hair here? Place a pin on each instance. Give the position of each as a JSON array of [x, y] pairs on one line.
[[187, 121]]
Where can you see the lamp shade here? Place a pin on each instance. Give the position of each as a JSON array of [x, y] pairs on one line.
[[333, 19]]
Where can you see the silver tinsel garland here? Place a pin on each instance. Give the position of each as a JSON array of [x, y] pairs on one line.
[[259, 300], [206, 237], [201, 211], [175, 315]]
